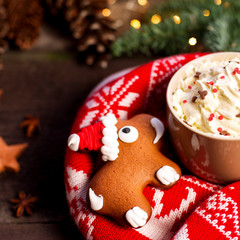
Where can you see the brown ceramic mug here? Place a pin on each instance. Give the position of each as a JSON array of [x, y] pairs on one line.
[[211, 157]]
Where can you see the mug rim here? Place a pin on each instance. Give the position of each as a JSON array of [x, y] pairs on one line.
[[219, 56]]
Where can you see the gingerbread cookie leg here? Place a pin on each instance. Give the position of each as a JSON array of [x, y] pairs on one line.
[[134, 210], [136, 217]]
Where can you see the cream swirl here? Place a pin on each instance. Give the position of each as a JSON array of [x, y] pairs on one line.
[[208, 99]]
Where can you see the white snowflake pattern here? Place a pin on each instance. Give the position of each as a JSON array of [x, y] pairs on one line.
[[226, 219], [211, 205], [78, 183], [113, 96], [160, 228]]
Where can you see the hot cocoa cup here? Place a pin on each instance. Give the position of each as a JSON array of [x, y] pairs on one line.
[[203, 99]]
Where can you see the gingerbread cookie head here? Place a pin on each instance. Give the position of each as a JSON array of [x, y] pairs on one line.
[[130, 149]]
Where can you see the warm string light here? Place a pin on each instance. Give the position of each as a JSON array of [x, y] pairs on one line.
[[218, 2], [143, 2], [135, 23], [106, 12], [131, 5], [192, 41], [206, 12], [226, 4], [176, 19], [155, 19]]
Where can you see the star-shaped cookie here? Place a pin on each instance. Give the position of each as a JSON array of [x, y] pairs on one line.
[[9, 155]]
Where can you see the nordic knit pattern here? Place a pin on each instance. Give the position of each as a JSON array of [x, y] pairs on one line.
[[192, 209]]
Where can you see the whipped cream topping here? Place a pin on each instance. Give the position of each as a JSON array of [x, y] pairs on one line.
[[208, 99]]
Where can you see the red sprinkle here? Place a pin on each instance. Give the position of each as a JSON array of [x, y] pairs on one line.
[[211, 83], [210, 119], [219, 129], [189, 87], [236, 71], [212, 115], [214, 90], [239, 89], [222, 77], [184, 101], [220, 117], [194, 82]]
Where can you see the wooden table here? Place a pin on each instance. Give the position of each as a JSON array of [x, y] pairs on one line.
[[51, 85]]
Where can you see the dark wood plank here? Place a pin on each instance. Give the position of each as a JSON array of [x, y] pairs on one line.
[[53, 86], [39, 231]]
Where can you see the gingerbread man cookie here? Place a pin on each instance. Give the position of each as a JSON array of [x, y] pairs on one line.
[[130, 149]]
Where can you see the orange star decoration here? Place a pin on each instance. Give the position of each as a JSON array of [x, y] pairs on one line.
[[9, 155], [23, 204], [31, 125]]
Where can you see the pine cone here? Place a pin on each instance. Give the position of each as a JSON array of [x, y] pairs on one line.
[[94, 32], [4, 28], [25, 18]]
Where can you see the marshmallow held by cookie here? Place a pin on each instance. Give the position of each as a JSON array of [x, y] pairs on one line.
[[130, 149]]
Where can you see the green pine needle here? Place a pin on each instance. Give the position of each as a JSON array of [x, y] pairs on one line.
[[217, 32], [223, 35]]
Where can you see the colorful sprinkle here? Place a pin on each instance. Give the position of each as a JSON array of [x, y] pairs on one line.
[[194, 82], [225, 133], [236, 71], [184, 101], [189, 87], [220, 117], [197, 74], [210, 119], [210, 83], [212, 115], [215, 90], [222, 77], [203, 94], [219, 129], [194, 98]]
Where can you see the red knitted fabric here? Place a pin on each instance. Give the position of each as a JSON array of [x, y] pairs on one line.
[[216, 218], [91, 136], [192, 209]]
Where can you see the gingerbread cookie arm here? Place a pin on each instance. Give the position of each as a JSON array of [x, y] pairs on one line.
[[166, 173]]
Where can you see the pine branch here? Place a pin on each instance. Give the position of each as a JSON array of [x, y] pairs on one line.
[[4, 27], [222, 35], [167, 37]]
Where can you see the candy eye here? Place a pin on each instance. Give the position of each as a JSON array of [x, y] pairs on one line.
[[128, 134]]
